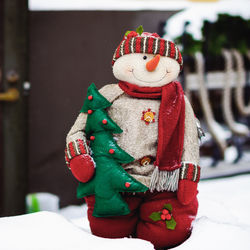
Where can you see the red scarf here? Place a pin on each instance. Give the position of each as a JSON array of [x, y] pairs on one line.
[[171, 121]]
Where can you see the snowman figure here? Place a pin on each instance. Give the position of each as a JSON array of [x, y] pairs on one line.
[[145, 123]]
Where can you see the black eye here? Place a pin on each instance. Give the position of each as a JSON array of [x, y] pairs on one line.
[[145, 57]]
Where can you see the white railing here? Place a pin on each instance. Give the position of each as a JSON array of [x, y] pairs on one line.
[[228, 138]]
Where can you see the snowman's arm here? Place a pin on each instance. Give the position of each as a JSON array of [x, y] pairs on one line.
[[190, 152], [76, 140], [111, 92], [77, 130], [190, 170], [77, 153]]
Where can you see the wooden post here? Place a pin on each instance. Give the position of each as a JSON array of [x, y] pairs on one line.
[[14, 119]]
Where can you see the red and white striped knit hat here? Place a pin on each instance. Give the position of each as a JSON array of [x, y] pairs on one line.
[[149, 43]]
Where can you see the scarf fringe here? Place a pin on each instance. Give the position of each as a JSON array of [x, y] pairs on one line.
[[164, 180]]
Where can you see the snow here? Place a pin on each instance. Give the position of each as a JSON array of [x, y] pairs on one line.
[[223, 222], [129, 5], [47, 230], [230, 154], [226, 201], [221, 131], [198, 12], [207, 9], [241, 128], [234, 238], [73, 212]]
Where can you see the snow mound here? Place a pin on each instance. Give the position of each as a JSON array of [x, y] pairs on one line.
[[226, 201], [47, 230], [74, 212], [223, 220], [214, 235]]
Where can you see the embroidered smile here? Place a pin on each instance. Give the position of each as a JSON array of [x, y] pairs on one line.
[[132, 70]]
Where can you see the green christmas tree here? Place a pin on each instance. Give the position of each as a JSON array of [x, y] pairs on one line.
[[110, 178]]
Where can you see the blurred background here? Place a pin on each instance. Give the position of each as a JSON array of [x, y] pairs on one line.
[[51, 51]]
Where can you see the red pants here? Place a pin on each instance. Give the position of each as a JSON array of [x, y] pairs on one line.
[[138, 224]]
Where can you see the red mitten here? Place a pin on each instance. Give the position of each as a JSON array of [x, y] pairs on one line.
[[79, 161], [187, 187], [187, 190], [82, 167]]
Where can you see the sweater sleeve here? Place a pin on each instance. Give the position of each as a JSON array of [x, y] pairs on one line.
[[77, 130], [190, 152]]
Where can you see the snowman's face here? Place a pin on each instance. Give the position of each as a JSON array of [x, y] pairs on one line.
[[133, 68]]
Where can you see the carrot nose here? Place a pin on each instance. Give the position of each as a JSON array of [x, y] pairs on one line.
[[152, 64]]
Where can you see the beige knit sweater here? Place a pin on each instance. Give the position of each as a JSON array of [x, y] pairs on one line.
[[140, 139]]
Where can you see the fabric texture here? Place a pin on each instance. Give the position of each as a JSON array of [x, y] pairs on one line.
[[147, 43], [186, 192], [79, 161], [82, 167], [139, 224], [139, 139], [77, 130], [187, 187], [74, 148], [171, 122], [190, 171]]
